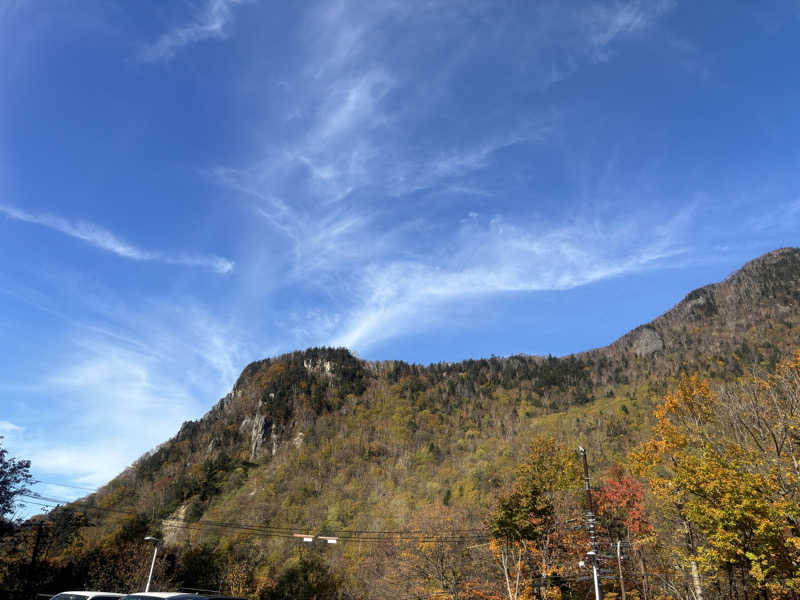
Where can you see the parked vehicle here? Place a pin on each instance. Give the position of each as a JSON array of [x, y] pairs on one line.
[[160, 596], [87, 596], [176, 596]]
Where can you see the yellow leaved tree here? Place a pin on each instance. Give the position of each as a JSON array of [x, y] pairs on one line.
[[724, 465]]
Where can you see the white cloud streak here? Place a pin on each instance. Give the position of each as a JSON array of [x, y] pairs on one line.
[[353, 141], [105, 240], [603, 24], [784, 216], [406, 296], [125, 387], [212, 22]]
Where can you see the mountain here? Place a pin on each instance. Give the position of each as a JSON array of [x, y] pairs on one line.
[[724, 327], [320, 441]]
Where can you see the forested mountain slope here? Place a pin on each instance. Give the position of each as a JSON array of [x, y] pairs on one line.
[[722, 328], [320, 441]]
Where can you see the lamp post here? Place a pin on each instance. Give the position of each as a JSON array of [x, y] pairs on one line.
[[157, 543]]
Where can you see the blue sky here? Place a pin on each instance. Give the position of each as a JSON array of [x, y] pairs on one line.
[[186, 187]]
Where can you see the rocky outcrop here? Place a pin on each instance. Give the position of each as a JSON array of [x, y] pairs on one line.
[[646, 340], [173, 528], [262, 435]]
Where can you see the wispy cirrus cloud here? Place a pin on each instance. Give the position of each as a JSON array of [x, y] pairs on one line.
[[602, 23], [351, 135], [105, 240], [117, 386], [212, 22], [110, 395], [6, 426], [785, 215], [402, 297], [344, 187]]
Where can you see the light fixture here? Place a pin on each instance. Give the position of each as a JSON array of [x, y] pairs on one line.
[[157, 543]]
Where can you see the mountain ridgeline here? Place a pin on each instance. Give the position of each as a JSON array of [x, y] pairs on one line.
[[321, 441], [348, 417]]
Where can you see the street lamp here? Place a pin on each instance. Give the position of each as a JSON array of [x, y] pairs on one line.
[[157, 543], [310, 537]]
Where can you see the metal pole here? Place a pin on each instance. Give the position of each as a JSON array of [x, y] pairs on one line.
[[596, 578], [590, 524], [153, 563]]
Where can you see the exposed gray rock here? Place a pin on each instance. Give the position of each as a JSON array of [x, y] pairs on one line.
[[273, 436], [646, 341], [700, 304], [173, 528], [324, 367], [256, 428]]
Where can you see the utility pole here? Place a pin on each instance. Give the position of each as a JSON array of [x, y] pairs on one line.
[[644, 575], [590, 525], [619, 564], [34, 556]]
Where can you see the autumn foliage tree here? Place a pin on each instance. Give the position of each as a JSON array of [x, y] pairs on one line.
[[724, 464], [439, 562], [530, 534], [622, 516]]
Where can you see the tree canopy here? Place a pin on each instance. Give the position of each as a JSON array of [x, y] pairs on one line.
[[14, 477]]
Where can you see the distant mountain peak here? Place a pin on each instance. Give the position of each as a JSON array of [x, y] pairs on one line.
[[752, 305]]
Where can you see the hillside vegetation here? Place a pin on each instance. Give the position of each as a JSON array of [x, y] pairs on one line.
[[408, 466]]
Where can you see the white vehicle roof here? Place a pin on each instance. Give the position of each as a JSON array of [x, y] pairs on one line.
[[159, 594], [89, 594]]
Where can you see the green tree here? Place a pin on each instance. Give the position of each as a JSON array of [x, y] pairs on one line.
[[309, 579], [14, 478], [200, 567]]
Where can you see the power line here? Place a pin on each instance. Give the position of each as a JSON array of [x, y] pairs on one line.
[[282, 532], [36, 496], [64, 485]]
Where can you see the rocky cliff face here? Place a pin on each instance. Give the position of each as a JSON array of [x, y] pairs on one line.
[[275, 400], [646, 340]]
